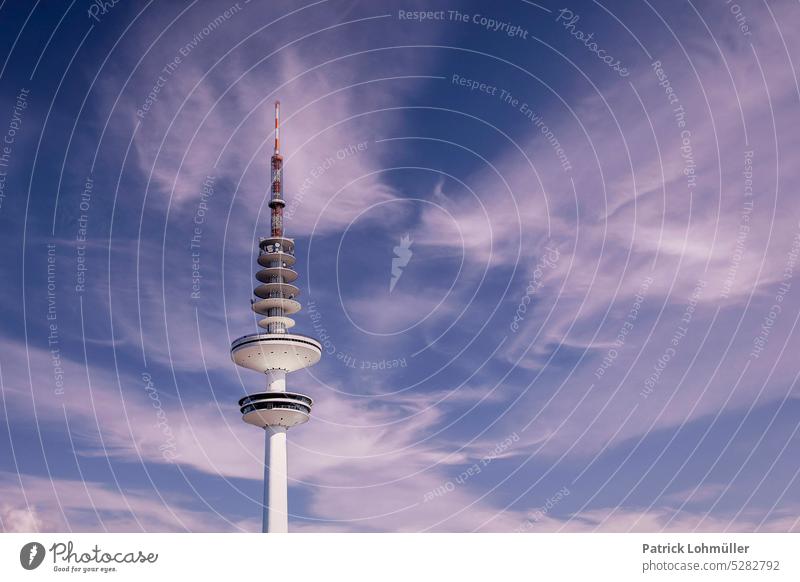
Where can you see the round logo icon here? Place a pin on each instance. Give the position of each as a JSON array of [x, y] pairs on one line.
[[31, 555]]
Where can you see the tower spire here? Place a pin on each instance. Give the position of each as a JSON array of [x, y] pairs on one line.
[[276, 202], [277, 127]]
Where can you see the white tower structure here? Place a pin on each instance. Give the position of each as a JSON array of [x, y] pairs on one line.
[[276, 352]]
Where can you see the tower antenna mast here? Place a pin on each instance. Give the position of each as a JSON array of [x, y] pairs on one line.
[[276, 201]]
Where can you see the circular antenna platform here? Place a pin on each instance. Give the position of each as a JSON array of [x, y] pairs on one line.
[[270, 273], [289, 306], [266, 259], [287, 290]]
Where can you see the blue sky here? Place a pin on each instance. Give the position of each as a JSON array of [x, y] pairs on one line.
[[595, 330]]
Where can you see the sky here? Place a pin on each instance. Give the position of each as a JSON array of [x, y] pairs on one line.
[[552, 252]]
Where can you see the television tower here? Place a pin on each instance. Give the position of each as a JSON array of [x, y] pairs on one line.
[[276, 352]]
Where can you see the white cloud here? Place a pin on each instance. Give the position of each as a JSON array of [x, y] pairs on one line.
[[69, 505]]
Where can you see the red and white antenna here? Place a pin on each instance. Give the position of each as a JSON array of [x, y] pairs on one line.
[[277, 127], [276, 202]]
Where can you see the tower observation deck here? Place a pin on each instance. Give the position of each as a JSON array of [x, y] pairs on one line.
[[276, 352]]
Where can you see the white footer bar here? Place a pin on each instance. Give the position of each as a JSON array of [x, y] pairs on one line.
[[388, 557]]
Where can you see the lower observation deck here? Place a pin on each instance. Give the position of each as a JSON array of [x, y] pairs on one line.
[[275, 351], [286, 409]]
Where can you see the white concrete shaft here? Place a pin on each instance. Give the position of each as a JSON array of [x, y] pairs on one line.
[[276, 500], [276, 381]]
